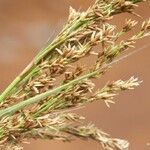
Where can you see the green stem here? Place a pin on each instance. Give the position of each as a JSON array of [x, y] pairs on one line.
[[9, 88], [36, 99], [19, 78]]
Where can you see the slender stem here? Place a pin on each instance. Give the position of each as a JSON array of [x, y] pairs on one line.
[[9, 88], [36, 99], [19, 78]]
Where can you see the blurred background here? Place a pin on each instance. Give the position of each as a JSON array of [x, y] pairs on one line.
[[26, 25]]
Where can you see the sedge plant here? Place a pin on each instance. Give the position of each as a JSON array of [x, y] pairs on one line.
[[38, 102]]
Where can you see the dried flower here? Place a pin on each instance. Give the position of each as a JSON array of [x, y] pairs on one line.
[[33, 105], [110, 90]]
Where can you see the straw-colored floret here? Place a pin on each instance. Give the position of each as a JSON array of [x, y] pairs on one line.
[[36, 104]]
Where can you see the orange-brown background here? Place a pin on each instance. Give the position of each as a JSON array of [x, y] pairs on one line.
[[26, 25]]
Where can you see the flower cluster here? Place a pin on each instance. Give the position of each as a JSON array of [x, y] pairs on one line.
[[34, 104]]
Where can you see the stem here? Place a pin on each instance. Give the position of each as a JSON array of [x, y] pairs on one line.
[[11, 110], [19, 78], [9, 89]]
